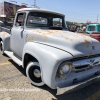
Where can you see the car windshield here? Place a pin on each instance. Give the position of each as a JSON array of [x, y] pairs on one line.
[[41, 19]]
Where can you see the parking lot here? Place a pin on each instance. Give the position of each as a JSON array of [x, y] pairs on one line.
[[14, 85]]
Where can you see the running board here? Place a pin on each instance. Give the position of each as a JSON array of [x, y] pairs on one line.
[[13, 57]]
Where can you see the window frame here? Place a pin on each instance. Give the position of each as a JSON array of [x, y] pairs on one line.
[[23, 22], [58, 16]]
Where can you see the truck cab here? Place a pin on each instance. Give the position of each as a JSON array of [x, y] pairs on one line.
[[33, 19], [92, 28]]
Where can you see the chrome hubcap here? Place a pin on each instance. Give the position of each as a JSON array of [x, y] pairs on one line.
[[37, 73]]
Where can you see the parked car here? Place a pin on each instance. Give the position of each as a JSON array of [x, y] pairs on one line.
[[95, 35], [94, 31], [2, 24]]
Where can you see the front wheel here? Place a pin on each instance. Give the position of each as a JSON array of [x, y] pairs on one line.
[[33, 73], [1, 47]]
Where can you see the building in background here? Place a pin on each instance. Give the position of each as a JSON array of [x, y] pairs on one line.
[[8, 10]]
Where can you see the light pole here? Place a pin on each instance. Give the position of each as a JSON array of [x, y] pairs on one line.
[[97, 17], [34, 5]]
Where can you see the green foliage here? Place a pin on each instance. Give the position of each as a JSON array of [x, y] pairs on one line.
[[71, 23]]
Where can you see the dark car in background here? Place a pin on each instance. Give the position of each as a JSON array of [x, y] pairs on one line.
[[2, 24]]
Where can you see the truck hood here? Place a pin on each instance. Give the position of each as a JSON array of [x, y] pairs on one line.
[[77, 44]]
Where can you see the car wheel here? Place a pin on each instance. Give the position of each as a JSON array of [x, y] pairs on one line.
[[33, 73], [1, 47]]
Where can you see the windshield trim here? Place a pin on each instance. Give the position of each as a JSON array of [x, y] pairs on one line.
[[41, 25]]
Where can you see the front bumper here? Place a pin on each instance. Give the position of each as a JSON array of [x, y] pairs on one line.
[[77, 86]]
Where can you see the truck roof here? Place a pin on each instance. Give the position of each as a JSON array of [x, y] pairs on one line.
[[40, 10], [93, 24]]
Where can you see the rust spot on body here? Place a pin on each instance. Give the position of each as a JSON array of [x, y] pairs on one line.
[[87, 43], [45, 33], [71, 40], [4, 34], [30, 38], [85, 37], [48, 32], [68, 39]]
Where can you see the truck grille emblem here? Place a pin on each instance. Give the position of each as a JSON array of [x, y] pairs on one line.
[[91, 62]]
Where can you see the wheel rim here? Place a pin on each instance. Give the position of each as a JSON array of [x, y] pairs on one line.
[[35, 74]]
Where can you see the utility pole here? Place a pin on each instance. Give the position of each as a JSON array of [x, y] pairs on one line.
[[97, 17], [34, 4]]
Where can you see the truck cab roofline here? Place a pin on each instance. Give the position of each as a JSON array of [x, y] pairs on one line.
[[40, 10]]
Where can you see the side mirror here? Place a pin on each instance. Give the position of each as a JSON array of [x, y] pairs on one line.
[[17, 24]]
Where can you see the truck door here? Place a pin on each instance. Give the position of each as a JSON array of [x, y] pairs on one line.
[[17, 39]]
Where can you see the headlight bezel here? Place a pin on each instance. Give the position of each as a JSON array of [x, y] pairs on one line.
[[64, 69]]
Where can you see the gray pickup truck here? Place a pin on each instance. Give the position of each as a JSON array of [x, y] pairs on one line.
[[51, 55]]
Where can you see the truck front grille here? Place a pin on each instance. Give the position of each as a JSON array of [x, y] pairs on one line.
[[81, 67], [85, 64], [85, 57]]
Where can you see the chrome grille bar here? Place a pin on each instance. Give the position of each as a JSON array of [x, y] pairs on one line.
[[85, 64]]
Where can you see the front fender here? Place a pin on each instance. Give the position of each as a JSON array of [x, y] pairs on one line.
[[49, 59], [5, 37]]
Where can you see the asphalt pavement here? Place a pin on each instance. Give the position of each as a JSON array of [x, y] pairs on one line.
[[14, 85]]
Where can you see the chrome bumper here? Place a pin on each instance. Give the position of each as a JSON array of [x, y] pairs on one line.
[[77, 86]]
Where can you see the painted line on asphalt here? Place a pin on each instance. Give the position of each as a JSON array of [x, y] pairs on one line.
[[11, 77], [6, 63], [95, 96]]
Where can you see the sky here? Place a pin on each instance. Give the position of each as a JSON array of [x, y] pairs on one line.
[[75, 10]]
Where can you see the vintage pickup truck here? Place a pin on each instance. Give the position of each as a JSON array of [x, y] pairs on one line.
[[90, 28], [51, 55], [94, 31]]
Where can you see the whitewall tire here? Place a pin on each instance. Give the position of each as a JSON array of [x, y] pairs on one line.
[[33, 73], [1, 47]]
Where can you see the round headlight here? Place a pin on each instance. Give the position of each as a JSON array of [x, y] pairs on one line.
[[64, 69]]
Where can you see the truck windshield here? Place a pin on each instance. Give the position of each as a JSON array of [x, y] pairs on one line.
[[41, 19], [91, 28]]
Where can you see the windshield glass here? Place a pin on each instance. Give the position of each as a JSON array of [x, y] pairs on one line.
[[41, 19], [91, 28]]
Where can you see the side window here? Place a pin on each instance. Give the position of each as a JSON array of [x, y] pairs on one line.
[[20, 19], [91, 28], [57, 22]]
